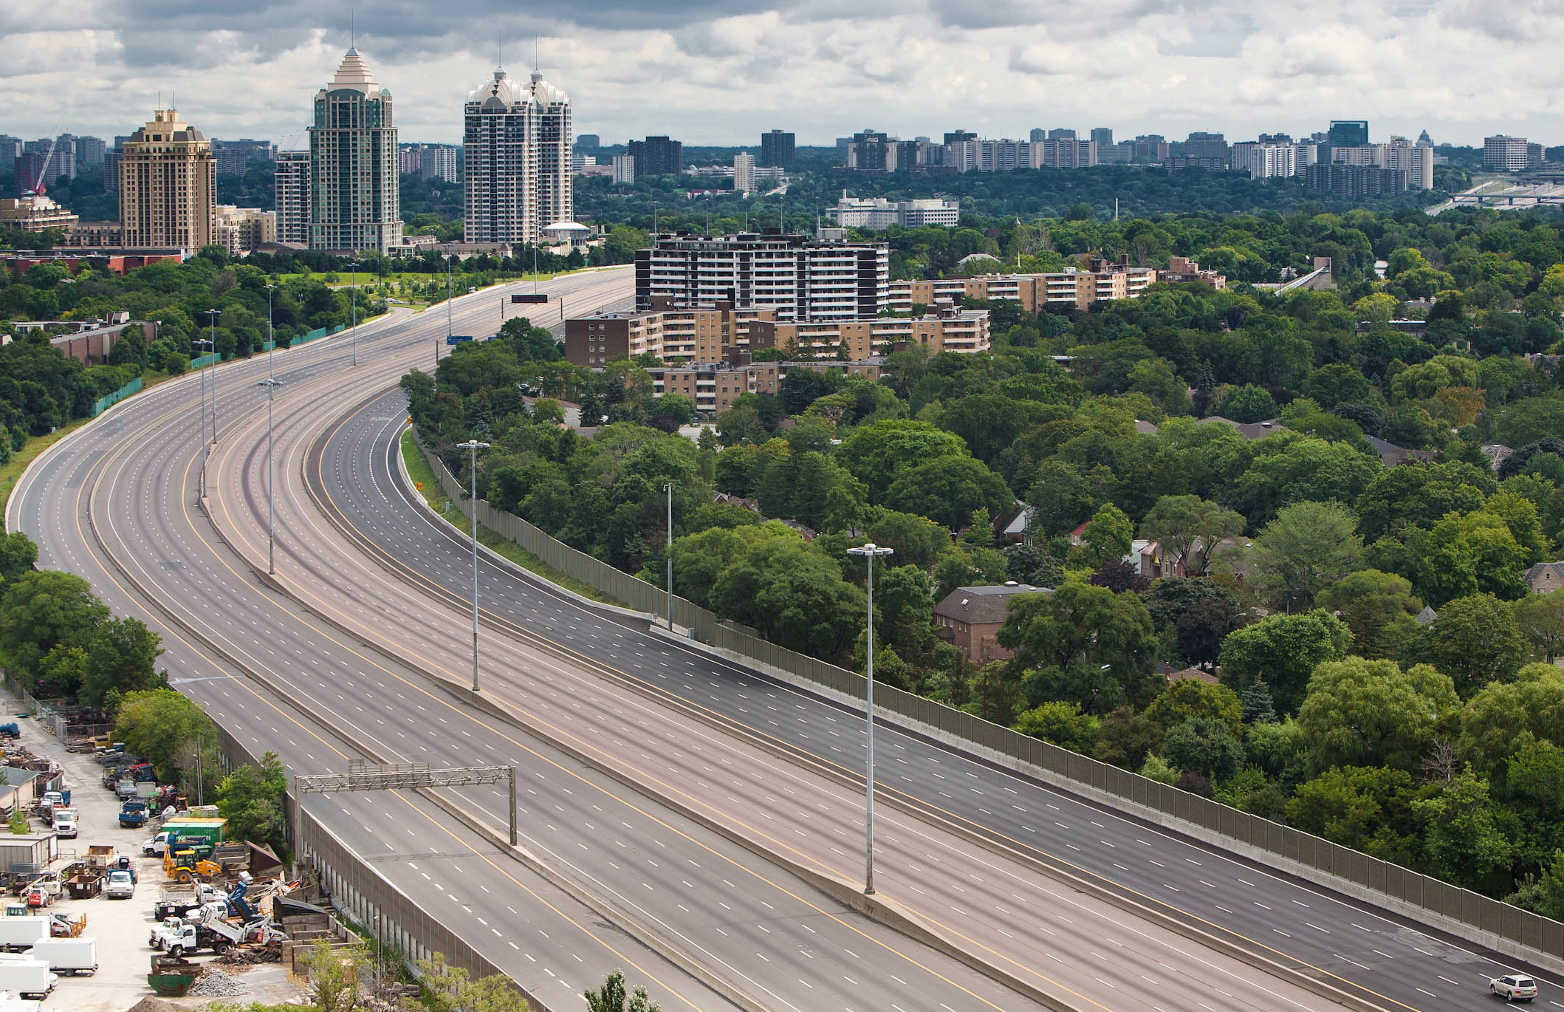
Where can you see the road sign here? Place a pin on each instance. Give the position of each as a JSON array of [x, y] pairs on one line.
[[528, 297], [455, 339]]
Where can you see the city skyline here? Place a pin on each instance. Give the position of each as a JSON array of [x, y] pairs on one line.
[[999, 70]]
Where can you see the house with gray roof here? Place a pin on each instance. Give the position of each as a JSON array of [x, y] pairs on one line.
[[970, 618]]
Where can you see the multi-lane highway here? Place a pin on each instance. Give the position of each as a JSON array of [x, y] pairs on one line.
[[1379, 958], [117, 503], [383, 582]]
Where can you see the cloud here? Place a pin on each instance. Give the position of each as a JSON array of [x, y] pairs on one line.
[[723, 71]]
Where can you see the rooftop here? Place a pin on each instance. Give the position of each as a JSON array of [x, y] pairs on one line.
[[985, 604]]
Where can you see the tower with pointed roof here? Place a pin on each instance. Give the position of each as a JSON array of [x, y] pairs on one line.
[[516, 152], [354, 203]]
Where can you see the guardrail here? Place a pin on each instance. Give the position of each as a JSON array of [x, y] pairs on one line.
[[1462, 912], [360, 892]]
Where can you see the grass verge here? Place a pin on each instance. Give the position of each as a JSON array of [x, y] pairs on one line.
[[429, 487], [12, 469]]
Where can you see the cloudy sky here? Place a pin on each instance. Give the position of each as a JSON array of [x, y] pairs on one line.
[[720, 72]]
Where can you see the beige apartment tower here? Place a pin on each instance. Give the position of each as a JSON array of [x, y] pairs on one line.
[[354, 202], [516, 149], [167, 186]]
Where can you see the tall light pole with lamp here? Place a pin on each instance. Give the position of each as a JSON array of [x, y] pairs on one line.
[[869, 551], [473, 446], [353, 286], [201, 342], [211, 318]]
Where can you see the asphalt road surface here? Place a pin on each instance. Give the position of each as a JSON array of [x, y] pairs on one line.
[[1381, 958]]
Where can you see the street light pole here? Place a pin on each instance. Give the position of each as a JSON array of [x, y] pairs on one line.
[[211, 316], [201, 488], [473, 446], [271, 475], [448, 310], [353, 287], [869, 551], [668, 487]]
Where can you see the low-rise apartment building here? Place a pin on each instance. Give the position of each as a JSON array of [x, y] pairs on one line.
[[672, 333], [714, 386], [1104, 281], [680, 335], [946, 328]]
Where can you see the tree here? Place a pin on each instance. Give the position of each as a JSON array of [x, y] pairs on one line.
[[669, 411], [880, 452], [1307, 547], [611, 997], [337, 975], [18, 555], [1205, 745], [1062, 724], [39, 610], [1367, 809], [793, 595], [1503, 718], [947, 490], [120, 658], [1155, 378], [1106, 537], [1283, 650], [450, 988], [1291, 468], [1188, 528], [1198, 613], [1371, 713], [1376, 606], [1543, 894], [1097, 646], [159, 725], [1188, 698], [1418, 494], [1476, 640], [1463, 839], [1257, 705], [1540, 618], [1247, 403], [251, 799], [1124, 738]]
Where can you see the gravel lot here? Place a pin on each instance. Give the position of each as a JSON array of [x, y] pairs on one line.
[[120, 926]]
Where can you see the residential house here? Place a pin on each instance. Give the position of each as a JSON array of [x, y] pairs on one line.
[[1545, 577], [970, 617]]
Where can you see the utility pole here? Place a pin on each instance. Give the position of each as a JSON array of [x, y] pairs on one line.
[[271, 385], [869, 551], [474, 446]]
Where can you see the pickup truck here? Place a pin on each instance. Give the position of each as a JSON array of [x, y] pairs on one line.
[[125, 788]]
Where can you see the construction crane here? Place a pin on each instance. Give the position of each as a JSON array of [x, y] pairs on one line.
[[40, 187]]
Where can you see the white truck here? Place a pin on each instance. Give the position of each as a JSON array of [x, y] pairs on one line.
[[18, 933], [27, 978], [68, 955], [65, 823], [206, 928]]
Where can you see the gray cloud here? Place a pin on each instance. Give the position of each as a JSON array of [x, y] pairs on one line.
[[721, 71]]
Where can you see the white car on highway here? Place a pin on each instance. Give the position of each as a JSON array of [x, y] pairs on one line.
[[1513, 987]]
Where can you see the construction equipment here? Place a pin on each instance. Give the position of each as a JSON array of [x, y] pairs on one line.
[[61, 926], [40, 184]]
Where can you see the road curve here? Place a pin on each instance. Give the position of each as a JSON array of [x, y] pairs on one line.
[[1381, 958], [132, 482]]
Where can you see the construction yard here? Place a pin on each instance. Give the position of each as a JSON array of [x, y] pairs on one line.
[[253, 968]]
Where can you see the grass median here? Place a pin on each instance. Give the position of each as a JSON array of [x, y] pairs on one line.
[[429, 487]]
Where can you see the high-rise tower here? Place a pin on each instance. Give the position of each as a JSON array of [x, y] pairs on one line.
[[516, 150], [354, 204], [167, 185]]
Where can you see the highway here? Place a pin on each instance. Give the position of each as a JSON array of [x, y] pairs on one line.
[[116, 502], [676, 756], [566, 673], [1382, 958]]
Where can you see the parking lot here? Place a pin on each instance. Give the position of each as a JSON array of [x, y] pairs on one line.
[[120, 927]]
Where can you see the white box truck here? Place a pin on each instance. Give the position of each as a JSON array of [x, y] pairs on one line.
[[27, 978], [18, 933], [68, 955]]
